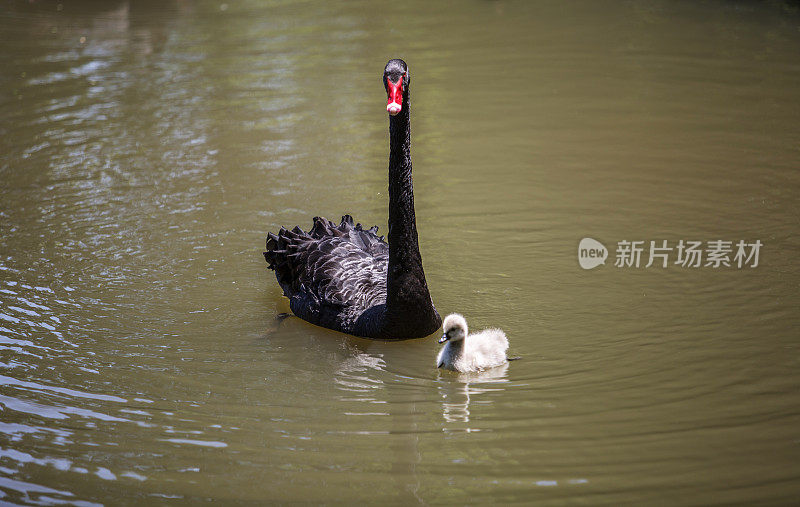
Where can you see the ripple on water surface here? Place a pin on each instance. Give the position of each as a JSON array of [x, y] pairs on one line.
[[49, 429]]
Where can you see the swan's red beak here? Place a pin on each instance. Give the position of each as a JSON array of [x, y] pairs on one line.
[[395, 99]]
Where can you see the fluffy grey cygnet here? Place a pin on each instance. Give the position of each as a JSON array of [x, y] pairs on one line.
[[474, 352]]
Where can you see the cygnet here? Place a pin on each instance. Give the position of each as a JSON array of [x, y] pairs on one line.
[[470, 352]]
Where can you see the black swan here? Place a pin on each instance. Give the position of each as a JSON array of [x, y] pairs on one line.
[[346, 278]]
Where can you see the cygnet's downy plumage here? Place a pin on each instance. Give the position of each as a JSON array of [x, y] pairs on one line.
[[474, 352]]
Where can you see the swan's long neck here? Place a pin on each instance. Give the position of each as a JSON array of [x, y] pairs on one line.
[[403, 242], [408, 303]]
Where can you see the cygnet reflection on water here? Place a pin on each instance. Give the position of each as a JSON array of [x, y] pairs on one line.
[[466, 352], [457, 391]]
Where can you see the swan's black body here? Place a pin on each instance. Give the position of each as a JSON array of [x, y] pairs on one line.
[[346, 278]]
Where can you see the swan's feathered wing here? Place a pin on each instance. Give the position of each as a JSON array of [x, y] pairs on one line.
[[331, 274]]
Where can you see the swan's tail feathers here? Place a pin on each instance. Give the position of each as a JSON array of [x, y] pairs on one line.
[[281, 248], [315, 263], [366, 239]]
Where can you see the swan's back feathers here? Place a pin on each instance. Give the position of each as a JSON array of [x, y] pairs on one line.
[[332, 273]]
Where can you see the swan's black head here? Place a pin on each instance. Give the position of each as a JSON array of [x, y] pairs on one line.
[[395, 79]]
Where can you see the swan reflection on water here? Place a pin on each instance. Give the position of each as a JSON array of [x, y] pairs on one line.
[[457, 389], [357, 371]]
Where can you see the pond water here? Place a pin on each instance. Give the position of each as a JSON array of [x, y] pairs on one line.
[[146, 149]]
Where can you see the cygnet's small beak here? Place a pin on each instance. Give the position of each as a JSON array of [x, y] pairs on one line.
[[444, 338]]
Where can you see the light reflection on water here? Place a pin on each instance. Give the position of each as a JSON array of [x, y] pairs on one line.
[[456, 395], [147, 148]]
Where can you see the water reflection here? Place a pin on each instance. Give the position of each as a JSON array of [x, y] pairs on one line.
[[356, 373], [39, 414], [41, 495], [458, 389]]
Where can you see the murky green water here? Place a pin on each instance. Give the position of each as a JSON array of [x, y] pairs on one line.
[[147, 148]]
